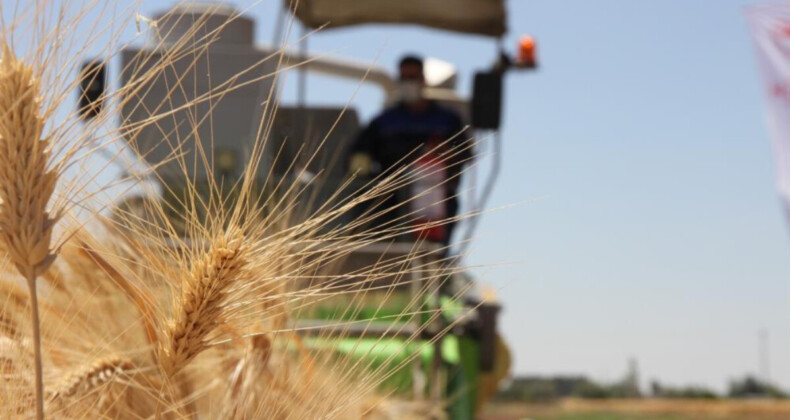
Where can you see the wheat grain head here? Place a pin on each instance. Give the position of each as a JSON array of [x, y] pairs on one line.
[[198, 309], [26, 180]]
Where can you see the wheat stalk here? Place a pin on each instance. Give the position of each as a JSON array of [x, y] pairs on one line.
[[26, 185]]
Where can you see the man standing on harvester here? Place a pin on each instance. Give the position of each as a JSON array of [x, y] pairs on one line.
[[425, 135]]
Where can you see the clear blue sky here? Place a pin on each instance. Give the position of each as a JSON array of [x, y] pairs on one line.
[[647, 223]]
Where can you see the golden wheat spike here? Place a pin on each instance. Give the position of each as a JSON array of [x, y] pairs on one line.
[[26, 182], [199, 307], [87, 379]]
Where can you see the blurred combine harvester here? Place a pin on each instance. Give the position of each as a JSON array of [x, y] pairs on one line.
[[463, 367]]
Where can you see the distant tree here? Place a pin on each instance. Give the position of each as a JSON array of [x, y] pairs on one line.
[[593, 390], [656, 389], [545, 389], [689, 392], [540, 391], [751, 387]]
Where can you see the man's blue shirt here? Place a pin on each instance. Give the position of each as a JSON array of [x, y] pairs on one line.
[[399, 132]]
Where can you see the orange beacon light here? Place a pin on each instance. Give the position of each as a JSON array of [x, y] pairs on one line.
[[526, 51]]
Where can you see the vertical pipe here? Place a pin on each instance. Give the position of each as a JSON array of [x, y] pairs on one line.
[[436, 330], [418, 375]]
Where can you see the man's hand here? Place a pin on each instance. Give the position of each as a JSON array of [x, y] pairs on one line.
[[360, 163]]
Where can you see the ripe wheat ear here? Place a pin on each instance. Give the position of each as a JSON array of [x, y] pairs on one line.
[[26, 186], [198, 309]]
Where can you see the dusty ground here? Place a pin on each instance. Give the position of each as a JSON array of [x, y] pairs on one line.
[[647, 409]]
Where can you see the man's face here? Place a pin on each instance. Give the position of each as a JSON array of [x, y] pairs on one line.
[[411, 72], [411, 84]]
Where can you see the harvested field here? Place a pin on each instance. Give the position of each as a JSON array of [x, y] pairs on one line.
[[648, 409]]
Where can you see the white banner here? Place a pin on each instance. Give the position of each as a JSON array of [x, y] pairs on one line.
[[770, 28]]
